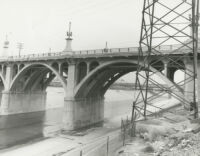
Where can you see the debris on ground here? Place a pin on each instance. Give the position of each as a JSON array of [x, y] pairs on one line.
[[161, 137]]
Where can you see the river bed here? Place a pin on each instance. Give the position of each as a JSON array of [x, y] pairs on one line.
[[22, 128]]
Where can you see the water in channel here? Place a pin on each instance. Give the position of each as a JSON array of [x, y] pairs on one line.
[[22, 128]]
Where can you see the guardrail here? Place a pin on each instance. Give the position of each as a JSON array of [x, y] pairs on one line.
[[93, 52], [74, 53]]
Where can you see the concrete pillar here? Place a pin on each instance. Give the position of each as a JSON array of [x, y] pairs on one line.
[[8, 76], [72, 77], [198, 77], [88, 67], [189, 84], [165, 72], [5, 98], [22, 102], [80, 112], [18, 68], [60, 69], [69, 108], [84, 112], [4, 109], [165, 67], [68, 115]]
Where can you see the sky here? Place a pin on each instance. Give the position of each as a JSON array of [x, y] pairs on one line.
[[42, 24]]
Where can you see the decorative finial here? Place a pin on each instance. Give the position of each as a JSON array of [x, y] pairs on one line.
[[69, 39], [69, 33]]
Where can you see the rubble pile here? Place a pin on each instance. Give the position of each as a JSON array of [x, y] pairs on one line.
[[187, 144], [163, 138]]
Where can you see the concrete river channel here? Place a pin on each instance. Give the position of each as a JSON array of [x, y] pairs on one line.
[[23, 128]]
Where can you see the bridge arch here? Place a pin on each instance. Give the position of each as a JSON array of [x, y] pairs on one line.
[[173, 67], [34, 73], [55, 65], [64, 69], [2, 82], [2, 77], [15, 70], [1, 68], [4, 70], [93, 65], [21, 66], [157, 64], [99, 79]]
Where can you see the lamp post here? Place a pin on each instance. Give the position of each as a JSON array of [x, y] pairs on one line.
[[20, 47]]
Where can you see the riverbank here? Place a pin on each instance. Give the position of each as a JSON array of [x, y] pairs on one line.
[[174, 134], [67, 143], [71, 144], [118, 105], [114, 86]]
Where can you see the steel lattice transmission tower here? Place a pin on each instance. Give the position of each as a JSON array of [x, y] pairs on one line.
[[172, 26]]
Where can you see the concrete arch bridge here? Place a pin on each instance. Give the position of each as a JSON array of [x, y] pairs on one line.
[[85, 77]]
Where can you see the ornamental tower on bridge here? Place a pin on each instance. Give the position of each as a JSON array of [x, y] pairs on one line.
[[5, 48], [69, 39]]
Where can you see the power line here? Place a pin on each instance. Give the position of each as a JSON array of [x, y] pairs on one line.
[[91, 8]]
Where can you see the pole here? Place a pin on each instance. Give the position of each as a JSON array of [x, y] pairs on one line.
[[133, 120], [19, 52], [195, 12], [20, 47], [124, 136], [107, 145]]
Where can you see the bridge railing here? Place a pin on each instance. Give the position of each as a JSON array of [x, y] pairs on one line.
[[171, 47], [91, 52], [103, 51], [82, 52]]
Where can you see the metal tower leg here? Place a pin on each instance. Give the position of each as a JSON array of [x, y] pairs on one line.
[[171, 25]]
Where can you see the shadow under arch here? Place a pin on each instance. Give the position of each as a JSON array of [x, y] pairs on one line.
[[157, 64], [104, 80], [80, 88], [172, 67], [26, 68], [3, 81]]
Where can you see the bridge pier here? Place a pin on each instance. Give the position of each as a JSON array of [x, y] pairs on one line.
[[21, 102], [80, 113], [189, 85], [83, 111]]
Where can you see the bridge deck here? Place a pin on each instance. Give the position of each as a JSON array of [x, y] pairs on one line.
[[125, 52]]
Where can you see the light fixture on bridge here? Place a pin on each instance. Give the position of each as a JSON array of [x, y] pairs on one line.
[[106, 47], [69, 39], [20, 47]]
